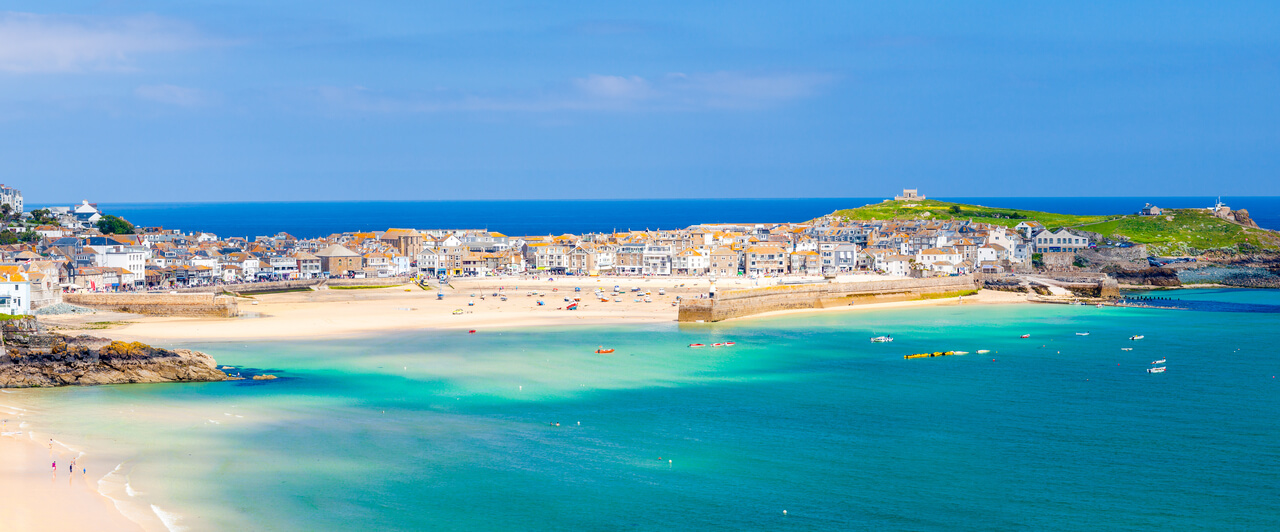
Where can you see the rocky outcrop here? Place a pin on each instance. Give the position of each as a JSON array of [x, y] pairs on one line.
[[1242, 218], [34, 358], [1145, 277]]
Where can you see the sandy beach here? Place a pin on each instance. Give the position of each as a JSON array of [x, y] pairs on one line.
[[35, 497], [335, 313]]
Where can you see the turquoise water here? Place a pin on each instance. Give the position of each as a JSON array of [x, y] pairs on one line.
[[450, 431]]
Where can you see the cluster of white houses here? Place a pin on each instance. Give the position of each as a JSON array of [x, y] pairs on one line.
[[73, 255]]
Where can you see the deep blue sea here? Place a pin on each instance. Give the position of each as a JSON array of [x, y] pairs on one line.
[[543, 217], [441, 430]]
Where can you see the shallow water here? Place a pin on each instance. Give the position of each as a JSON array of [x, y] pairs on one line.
[[455, 431]]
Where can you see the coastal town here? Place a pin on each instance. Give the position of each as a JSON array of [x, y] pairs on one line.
[[81, 249]]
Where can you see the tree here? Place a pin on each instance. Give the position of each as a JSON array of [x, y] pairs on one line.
[[114, 225], [43, 216], [955, 209], [7, 237], [30, 235], [5, 212]]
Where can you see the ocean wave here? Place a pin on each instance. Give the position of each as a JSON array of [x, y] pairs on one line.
[[169, 519]]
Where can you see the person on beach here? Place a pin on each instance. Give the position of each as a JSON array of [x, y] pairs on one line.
[[55, 466]]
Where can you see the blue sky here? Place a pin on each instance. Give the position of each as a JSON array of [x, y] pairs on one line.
[[135, 100]]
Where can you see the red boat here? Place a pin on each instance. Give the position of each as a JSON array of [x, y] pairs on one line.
[[472, 331], [717, 345], [730, 343], [697, 345], [1025, 336]]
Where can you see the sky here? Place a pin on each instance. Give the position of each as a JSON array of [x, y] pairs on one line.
[[149, 101]]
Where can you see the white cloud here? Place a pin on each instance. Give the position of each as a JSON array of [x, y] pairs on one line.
[[598, 92], [53, 43], [172, 95], [619, 87]]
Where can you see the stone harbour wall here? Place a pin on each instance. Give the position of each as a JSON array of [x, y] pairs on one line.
[[199, 305], [741, 303]]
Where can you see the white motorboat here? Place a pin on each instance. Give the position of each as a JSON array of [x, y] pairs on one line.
[[881, 339], [1137, 337], [1126, 349], [1161, 361], [983, 351], [1156, 370], [1082, 334]]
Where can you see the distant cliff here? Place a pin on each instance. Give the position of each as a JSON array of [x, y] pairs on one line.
[[33, 358]]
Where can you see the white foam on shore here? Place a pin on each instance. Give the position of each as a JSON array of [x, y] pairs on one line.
[[169, 519], [115, 482]]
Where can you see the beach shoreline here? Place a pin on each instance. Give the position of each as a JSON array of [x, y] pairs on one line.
[[468, 305], [38, 497]]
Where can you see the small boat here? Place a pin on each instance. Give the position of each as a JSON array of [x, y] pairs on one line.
[[882, 339], [471, 303], [572, 306], [717, 344], [730, 343], [1082, 334], [1126, 349], [1161, 361], [472, 331], [1099, 305], [1025, 336], [604, 351], [1137, 337], [983, 351], [960, 352], [457, 312], [697, 345], [1156, 370]]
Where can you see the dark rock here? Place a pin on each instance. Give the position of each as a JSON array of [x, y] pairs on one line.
[[33, 358]]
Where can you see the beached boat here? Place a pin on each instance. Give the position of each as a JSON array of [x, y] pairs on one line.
[[882, 339], [1137, 337], [697, 345], [1161, 361], [457, 312], [1156, 370]]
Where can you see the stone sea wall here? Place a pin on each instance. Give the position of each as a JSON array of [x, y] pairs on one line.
[[371, 281], [196, 305], [740, 303]]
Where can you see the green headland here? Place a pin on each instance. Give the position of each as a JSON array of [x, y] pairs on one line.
[[1173, 232]]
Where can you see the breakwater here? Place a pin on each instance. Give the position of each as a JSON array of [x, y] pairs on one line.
[[741, 303], [194, 305]]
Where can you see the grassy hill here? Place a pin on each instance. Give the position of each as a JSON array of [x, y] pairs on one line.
[[945, 210], [1177, 232]]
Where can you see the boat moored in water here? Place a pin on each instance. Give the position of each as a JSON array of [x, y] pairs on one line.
[[697, 345], [1161, 361], [1156, 370], [882, 339], [1137, 337]]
